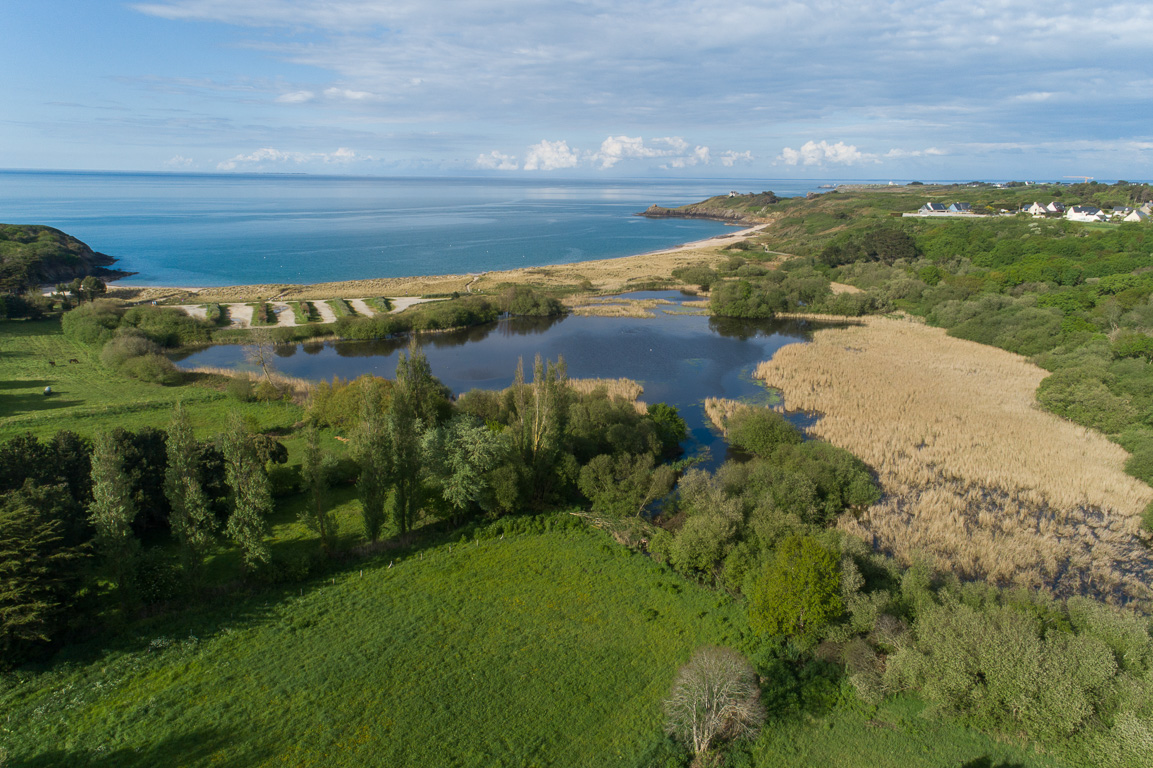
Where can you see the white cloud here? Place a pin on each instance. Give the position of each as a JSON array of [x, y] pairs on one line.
[[814, 153], [550, 156], [617, 148], [896, 154], [178, 161], [345, 93], [731, 158], [268, 155], [296, 97], [497, 161]]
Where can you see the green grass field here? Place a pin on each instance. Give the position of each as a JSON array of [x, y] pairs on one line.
[[535, 650], [88, 397]]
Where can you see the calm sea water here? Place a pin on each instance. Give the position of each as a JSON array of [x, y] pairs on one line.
[[206, 230], [679, 358]]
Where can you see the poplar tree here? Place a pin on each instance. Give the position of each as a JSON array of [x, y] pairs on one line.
[[191, 519], [372, 450], [251, 495], [112, 511], [314, 514]]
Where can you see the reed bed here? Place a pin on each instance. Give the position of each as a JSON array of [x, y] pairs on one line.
[[615, 306], [617, 389], [297, 388], [720, 410], [975, 474], [819, 317]]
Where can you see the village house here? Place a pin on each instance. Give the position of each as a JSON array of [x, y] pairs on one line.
[[1036, 209], [933, 208], [960, 208], [1138, 216], [1084, 213]]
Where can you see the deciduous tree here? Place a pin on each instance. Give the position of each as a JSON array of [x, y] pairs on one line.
[[251, 496], [716, 696]]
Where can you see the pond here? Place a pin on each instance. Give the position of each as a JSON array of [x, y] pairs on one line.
[[679, 357]]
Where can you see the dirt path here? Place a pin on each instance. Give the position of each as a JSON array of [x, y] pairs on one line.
[[327, 313], [360, 307], [285, 317]]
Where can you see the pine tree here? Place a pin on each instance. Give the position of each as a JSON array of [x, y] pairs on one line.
[[251, 495], [111, 513], [191, 519]]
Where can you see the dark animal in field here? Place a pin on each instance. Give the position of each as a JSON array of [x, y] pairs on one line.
[[74, 360], [52, 363]]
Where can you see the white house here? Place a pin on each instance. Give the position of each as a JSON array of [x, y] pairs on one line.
[[933, 208], [1036, 209], [1084, 213], [1136, 216], [960, 208], [1055, 207]]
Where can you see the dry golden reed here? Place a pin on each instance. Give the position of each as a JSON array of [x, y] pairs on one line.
[[617, 389], [296, 387], [720, 410], [975, 474]]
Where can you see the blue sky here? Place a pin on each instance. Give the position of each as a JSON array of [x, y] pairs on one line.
[[817, 89]]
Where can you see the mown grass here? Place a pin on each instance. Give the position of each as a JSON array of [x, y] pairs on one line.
[[88, 397]]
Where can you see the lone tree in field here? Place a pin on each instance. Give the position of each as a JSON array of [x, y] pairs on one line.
[[716, 696]]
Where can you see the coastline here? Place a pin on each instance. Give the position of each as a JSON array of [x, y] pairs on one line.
[[601, 275]]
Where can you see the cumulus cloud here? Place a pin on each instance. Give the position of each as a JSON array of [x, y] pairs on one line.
[[731, 158], [497, 161], [550, 156], [679, 153], [178, 161], [822, 153], [296, 97]]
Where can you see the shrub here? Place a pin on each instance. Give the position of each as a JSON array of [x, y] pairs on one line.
[[167, 326], [240, 388], [93, 323], [698, 274], [740, 298], [523, 300], [156, 369], [760, 430]]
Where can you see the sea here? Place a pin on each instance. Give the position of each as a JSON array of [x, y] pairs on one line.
[[201, 230]]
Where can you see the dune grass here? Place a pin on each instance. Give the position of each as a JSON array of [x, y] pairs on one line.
[[89, 397], [974, 473]]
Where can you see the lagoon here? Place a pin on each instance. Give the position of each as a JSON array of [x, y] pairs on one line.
[[679, 357]]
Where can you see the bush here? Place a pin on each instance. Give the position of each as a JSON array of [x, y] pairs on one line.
[[240, 388], [167, 326], [93, 323], [698, 274], [760, 430], [523, 300], [740, 298], [1080, 395]]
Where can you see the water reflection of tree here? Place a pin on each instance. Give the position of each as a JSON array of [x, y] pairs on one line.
[[743, 330], [284, 350], [527, 326]]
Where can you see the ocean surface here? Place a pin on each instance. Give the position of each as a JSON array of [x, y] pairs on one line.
[[222, 229]]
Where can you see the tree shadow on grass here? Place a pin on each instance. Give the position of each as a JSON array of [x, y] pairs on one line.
[[24, 383], [987, 762], [13, 405], [197, 748]]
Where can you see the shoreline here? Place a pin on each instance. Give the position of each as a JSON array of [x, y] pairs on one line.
[[604, 275]]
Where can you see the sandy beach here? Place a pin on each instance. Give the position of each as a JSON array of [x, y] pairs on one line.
[[602, 276]]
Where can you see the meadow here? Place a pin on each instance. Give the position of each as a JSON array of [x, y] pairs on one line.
[[507, 649], [88, 397]]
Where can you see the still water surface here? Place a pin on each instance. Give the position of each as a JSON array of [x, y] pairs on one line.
[[680, 358]]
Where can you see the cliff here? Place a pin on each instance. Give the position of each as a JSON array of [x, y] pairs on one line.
[[34, 255]]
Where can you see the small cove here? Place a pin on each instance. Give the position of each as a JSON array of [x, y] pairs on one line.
[[679, 358]]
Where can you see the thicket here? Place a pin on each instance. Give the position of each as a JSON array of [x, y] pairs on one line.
[[523, 300]]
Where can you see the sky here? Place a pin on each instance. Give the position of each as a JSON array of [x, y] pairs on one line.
[[869, 89]]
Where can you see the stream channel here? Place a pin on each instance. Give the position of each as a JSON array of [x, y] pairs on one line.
[[680, 358]]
